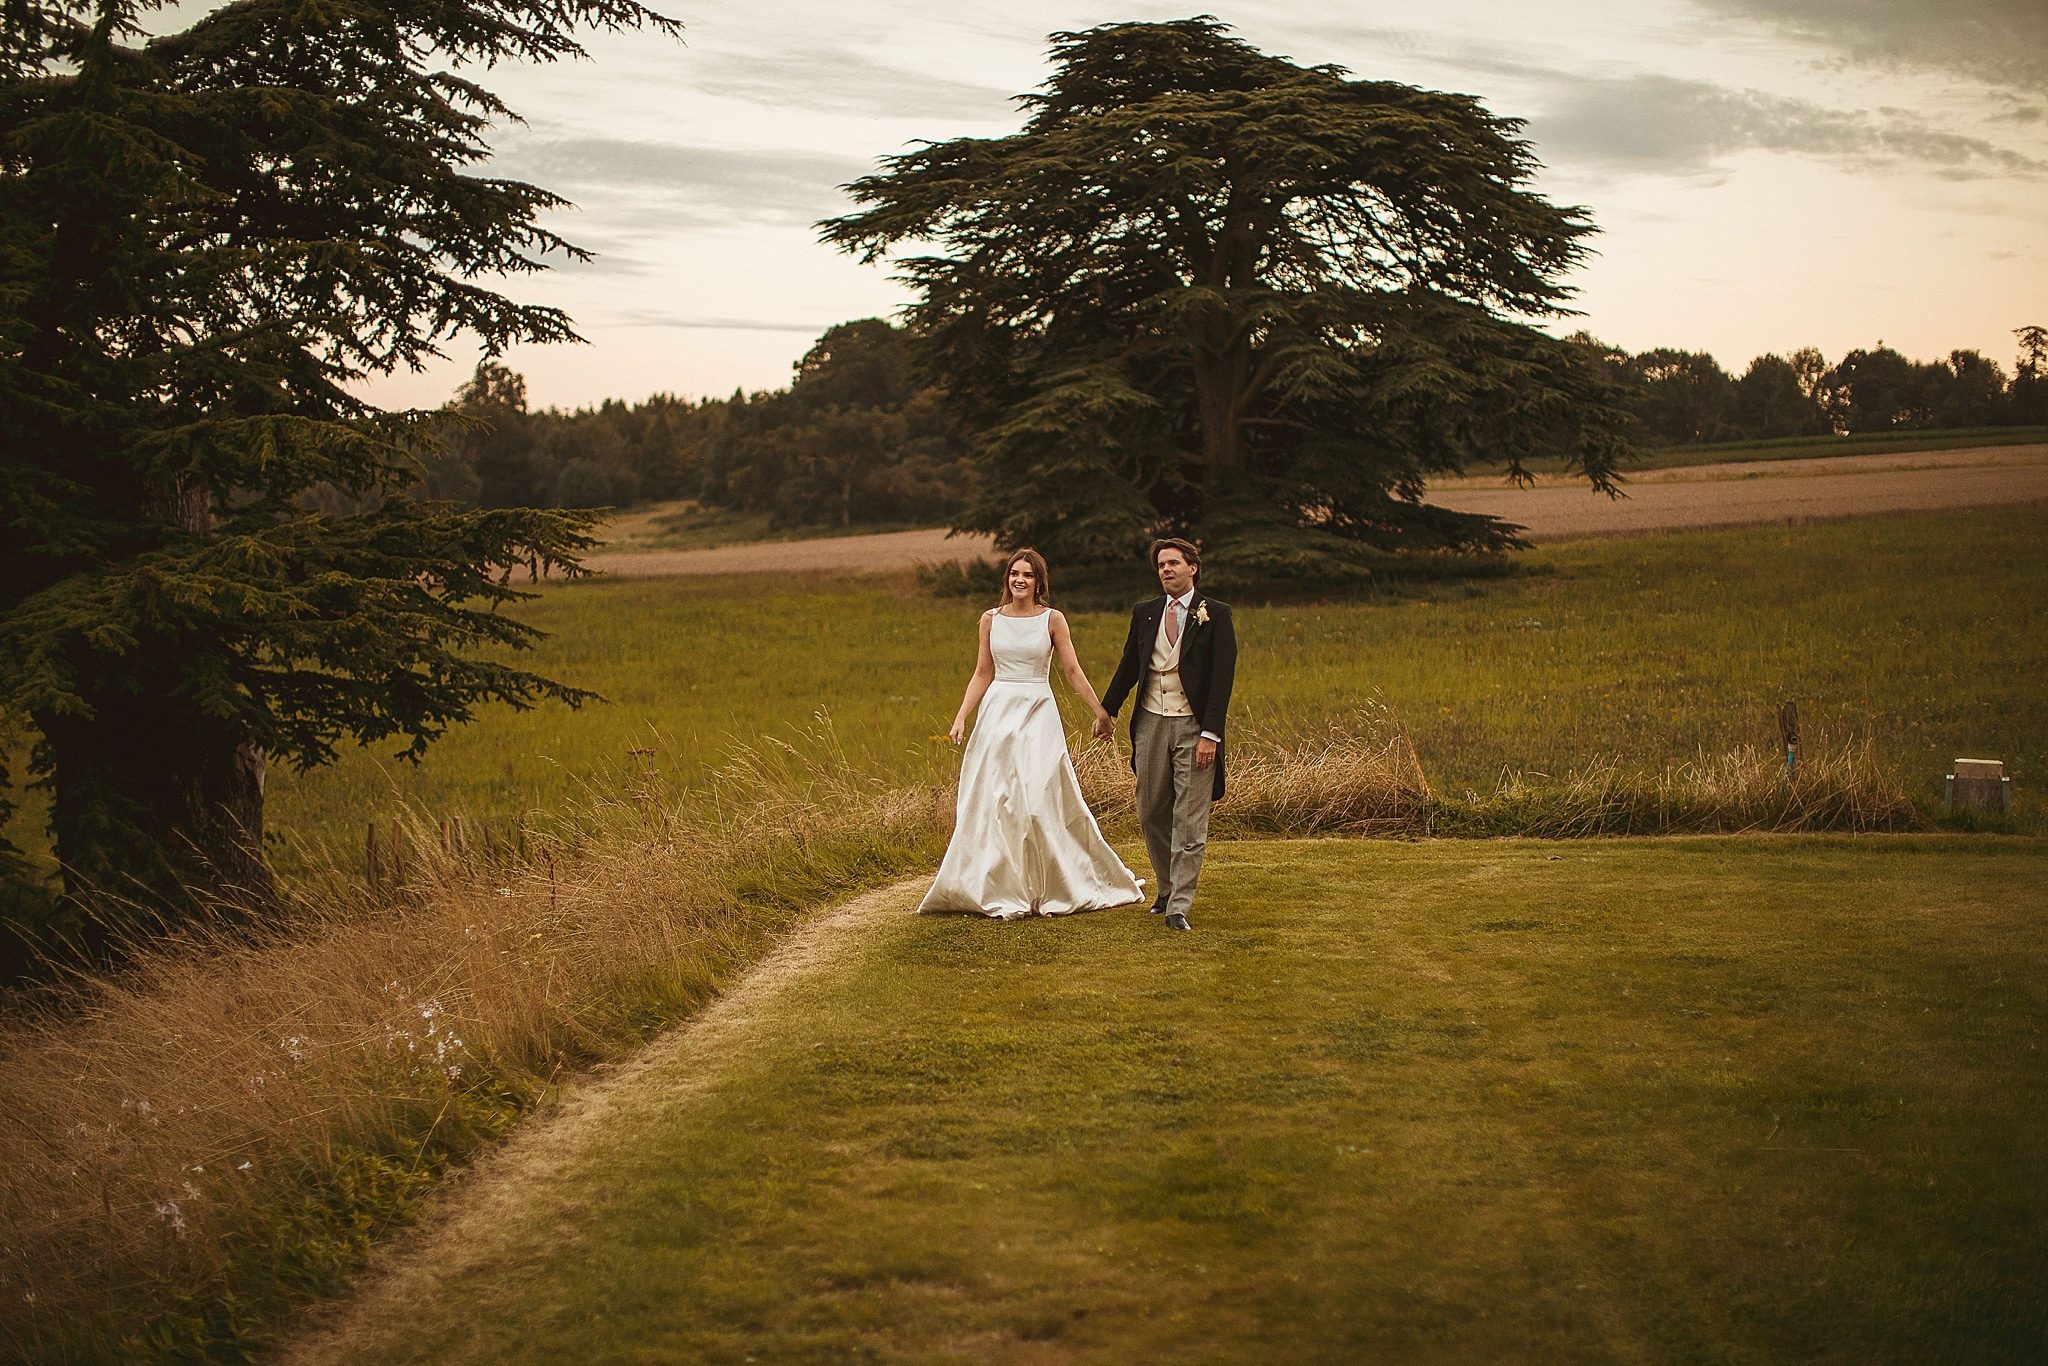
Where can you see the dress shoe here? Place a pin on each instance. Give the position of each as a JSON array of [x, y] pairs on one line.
[[1159, 906], [1176, 921]]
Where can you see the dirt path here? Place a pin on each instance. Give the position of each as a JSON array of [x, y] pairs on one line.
[[1682, 498], [487, 1208]]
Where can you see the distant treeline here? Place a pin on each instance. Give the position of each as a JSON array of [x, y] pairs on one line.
[[856, 439], [1684, 398]]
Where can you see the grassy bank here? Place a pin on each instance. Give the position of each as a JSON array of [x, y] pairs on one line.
[[192, 1149], [1751, 1100]]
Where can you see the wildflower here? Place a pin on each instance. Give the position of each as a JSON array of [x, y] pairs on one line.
[[168, 1210]]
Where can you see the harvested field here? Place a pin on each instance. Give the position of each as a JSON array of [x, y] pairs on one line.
[[1555, 508], [1752, 493]]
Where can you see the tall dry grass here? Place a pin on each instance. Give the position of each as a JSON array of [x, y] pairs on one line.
[[189, 1148], [1362, 776], [218, 1133], [1356, 776], [1838, 785]]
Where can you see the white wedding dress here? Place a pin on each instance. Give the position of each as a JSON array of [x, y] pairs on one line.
[[1024, 842]]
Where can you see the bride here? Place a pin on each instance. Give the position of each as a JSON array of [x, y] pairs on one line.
[[1024, 842]]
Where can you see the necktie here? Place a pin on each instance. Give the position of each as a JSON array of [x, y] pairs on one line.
[[1172, 622]]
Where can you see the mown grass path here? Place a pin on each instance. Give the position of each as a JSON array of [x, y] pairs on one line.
[[1751, 1099]]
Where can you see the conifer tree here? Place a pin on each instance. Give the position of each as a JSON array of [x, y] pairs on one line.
[[206, 240], [1206, 290]]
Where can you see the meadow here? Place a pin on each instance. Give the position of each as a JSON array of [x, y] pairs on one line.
[[1926, 637], [194, 1148], [1922, 637]]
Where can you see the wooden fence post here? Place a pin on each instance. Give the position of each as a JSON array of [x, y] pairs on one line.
[[1788, 731]]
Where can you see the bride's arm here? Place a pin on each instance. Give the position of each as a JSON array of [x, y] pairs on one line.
[[984, 673], [1070, 665]]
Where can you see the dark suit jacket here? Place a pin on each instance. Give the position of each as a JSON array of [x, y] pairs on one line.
[[1208, 666]]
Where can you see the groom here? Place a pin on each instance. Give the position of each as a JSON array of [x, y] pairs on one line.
[[1181, 655]]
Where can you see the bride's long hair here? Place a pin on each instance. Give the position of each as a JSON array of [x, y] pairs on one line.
[[1041, 591]]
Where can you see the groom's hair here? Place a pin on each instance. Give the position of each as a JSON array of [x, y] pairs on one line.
[[1186, 549]]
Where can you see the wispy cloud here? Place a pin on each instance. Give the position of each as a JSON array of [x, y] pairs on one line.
[[654, 184], [2004, 42], [1670, 126], [655, 317], [837, 80]]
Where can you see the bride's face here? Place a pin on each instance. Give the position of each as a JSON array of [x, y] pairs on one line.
[[1023, 582]]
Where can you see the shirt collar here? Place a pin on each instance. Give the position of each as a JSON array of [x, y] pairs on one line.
[[1184, 599]]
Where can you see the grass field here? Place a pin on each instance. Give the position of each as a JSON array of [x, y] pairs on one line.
[[1927, 635], [1861, 443], [1749, 1100]]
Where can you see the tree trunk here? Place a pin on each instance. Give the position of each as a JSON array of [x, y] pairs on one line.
[[157, 817]]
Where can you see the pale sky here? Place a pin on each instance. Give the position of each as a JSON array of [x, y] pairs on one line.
[[1766, 174]]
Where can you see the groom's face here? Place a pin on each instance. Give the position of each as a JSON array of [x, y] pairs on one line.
[[1175, 573]]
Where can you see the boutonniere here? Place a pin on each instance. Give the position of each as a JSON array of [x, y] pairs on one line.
[[1202, 614]]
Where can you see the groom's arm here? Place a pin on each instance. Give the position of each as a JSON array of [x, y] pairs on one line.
[[1222, 671], [1127, 669]]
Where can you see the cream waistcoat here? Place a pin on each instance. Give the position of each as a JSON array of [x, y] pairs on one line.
[[1163, 695]]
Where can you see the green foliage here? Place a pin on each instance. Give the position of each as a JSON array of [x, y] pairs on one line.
[[205, 240], [1203, 280], [1684, 398], [855, 438]]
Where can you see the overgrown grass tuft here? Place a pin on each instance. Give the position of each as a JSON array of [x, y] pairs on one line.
[[1838, 787], [1362, 776]]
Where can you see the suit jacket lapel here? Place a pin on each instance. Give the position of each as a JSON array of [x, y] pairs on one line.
[[1188, 628]]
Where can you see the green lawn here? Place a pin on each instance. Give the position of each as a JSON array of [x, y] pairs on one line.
[[1748, 1100]]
